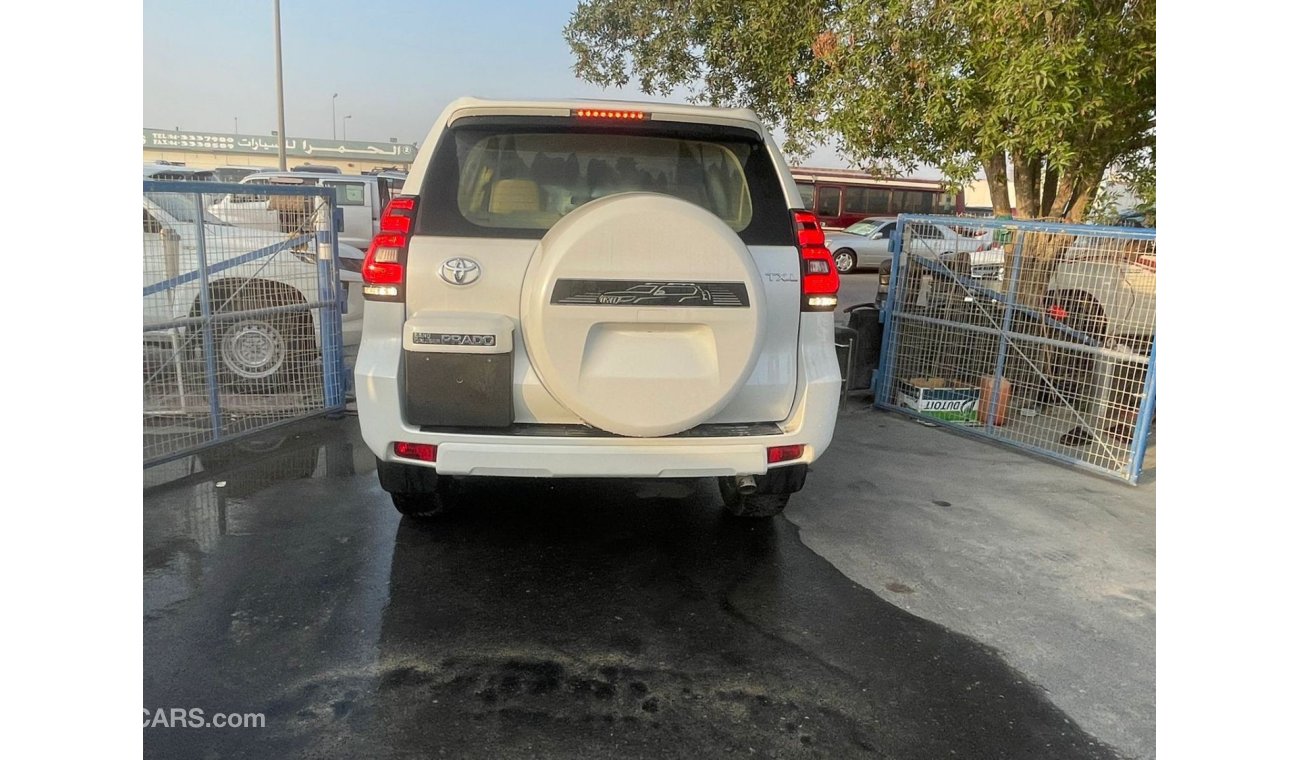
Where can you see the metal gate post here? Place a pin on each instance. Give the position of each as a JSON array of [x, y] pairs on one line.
[[1008, 308], [172, 268], [884, 371], [331, 318], [1145, 414], [205, 311]]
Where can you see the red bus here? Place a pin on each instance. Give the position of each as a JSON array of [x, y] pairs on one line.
[[841, 197]]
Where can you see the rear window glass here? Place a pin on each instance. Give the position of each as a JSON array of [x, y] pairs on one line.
[[516, 181], [855, 200], [530, 181], [828, 201], [864, 227], [249, 197], [349, 193], [806, 194], [877, 201]]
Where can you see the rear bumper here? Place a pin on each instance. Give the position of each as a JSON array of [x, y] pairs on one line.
[[811, 423], [541, 460]]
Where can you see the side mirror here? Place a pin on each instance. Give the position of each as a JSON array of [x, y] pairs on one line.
[[877, 236]]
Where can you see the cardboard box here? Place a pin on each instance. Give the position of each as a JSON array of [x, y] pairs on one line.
[[940, 399]]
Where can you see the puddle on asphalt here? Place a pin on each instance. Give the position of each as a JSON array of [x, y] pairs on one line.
[[192, 504], [544, 619]]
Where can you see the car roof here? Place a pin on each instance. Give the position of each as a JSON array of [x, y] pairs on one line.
[[311, 175], [469, 106], [153, 170]]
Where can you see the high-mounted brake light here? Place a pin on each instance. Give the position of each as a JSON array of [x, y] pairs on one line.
[[384, 270], [820, 281], [604, 113]]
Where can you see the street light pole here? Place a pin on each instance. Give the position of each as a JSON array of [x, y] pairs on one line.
[[236, 125], [334, 119], [279, 86], [345, 127]]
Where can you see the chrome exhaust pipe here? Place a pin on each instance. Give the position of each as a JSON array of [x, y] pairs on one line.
[[746, 485]]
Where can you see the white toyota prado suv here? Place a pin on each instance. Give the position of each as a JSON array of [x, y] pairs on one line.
[[598, 289]]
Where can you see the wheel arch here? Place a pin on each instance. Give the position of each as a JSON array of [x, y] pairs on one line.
[[851, 251], [1076, 295], [222, 292]]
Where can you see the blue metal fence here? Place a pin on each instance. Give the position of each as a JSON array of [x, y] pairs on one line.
[[1033, 334], [243, 311]]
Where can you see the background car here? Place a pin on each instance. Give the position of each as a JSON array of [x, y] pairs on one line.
[[360, 197], [862, 245], [1104, 292], [586, 341], [233, 173], [177, 173], [944, 240], [865, 245], [1107, 289], [256, 353]]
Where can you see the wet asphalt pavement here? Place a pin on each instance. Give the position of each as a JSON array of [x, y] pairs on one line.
[[574, 619]]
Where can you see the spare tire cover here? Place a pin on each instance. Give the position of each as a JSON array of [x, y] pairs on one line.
[[642, 313]]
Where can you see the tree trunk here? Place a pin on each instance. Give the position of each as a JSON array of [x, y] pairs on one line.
[[1051, 182], [1084, 189], [1040, 251], [1064, 194], [995, 171], [1029, 170]]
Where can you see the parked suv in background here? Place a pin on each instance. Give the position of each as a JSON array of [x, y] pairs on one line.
[[597, 289], [260, 353], [361, 197]]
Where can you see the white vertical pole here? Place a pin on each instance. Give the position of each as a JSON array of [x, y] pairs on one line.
[[279, 85]]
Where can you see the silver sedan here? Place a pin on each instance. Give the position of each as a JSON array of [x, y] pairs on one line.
[[866, 244], [862, 245]]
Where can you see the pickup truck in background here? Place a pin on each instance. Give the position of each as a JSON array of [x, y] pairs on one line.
[[361, 198]]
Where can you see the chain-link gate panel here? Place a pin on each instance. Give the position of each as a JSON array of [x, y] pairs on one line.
[[1035, 334], [243, 322]]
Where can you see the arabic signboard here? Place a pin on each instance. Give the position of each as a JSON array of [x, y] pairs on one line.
[[218, 142]]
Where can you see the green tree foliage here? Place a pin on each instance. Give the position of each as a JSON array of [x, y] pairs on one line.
[[1063, 88]]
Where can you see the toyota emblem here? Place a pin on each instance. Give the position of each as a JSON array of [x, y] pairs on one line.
[[459, 271]]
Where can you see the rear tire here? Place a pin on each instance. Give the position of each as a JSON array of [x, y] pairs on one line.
[[265, 354], [417, 492], [1073, 372], [420, 506], [254, 354]]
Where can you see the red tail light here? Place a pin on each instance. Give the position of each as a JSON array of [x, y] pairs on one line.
[[778, 454], [384, 270], [425, 452], [821, 281]]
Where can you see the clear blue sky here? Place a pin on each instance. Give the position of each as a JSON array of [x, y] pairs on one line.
[[394, 63]]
